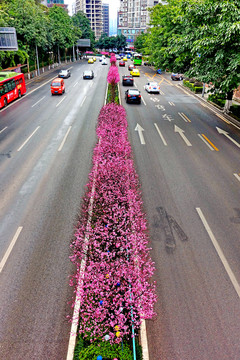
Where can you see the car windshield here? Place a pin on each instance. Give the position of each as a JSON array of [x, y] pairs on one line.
[[56, 84], [87, 73], [63, 72], [153, 84], [133, 92]]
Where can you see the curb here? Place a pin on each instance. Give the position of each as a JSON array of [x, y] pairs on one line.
[[213, 107]]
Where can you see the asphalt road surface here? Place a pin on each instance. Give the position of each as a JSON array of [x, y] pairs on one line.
[[46, 145], [187, 158]]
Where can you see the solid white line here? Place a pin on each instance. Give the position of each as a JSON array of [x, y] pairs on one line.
[[61, 101], [219, 252], [75, 319], [83, 101], [237, 176], [38, 101], [3, 129], [64, 139], [144, 342], [182, 117], [205, 141], [144, 101], [160, 134], [28, 139], [8, 252]]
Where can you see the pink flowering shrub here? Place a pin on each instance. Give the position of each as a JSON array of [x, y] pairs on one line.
[[113, 78], [111, 239], [113, 59]]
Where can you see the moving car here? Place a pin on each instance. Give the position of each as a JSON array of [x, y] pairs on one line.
[[176, 76], [118, 57], [94, 59], [121, 63], [133, 96], [57, 86], [135, 72], [152, 87], [64, 74], [90, 61], [127, 80], [104, 62], [131, 66], [88, 74], [125, 58]]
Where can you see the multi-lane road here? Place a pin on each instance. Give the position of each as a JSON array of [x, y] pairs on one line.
[[187, 158]]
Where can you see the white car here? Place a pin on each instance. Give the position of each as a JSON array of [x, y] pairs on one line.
[[152, 87], [88, 74], [104, 62], [64, 74]]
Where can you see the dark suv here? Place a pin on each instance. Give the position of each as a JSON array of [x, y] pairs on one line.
[[127, 80]]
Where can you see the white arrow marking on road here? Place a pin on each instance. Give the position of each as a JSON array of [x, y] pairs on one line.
[[237, 176], [223, 132], [181, 133], [139, 129]]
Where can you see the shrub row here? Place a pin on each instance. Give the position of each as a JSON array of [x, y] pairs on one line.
[[194, 86], [116, 292], [217, 99]]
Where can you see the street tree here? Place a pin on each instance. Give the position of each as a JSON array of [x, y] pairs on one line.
[[81, 21]]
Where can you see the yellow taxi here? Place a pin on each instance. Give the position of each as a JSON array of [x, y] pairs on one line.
[[135, 72], [125, 58], [90, 61], [94, 59]]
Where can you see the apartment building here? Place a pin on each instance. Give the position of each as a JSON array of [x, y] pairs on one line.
[[93, 10], [105, 18], [133, 18], [51, 3]]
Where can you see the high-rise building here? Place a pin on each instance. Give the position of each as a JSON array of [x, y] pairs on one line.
[[133, 18], [51, 3], [105, 8], [93, 10]]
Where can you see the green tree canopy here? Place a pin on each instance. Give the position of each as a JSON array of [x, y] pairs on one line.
[[81, 21]]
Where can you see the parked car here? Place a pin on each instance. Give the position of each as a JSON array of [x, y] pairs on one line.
[[135, 72], [133, 96], [57, 86], [176, 76], [121, 63], [88, 74], [64, 74], [146, 63], [152, 87], [127, 80], [90, 61], [131, 67]]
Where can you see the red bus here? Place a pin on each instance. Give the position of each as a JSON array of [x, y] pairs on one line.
[[12, 86]]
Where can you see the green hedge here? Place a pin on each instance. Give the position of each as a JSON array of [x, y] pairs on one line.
[[235, 110], [106, 350], [190, 85], [217, 99]]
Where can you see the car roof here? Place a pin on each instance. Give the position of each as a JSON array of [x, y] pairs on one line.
[[88, 72], [64, 70], [133, 90]]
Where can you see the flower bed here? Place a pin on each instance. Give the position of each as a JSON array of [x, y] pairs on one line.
[[116, 292]]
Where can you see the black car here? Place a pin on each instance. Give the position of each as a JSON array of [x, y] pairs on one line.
[[176, 76], [133, 96], [127, 80], [88, 74], [64, 74]]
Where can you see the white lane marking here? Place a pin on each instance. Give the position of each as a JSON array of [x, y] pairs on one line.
[[160, 134], [180, 114], [144, 101], [144, 342], [83, 101], [171, 103], [140, 130], [237, 176], [75, 318], [38, 101], [61, 101], [3, 129], [181, 133], [223, 132], [219, 252], [25, 142], [8, 252], [161, 92], [64, 139], [222, 118], [205, 141], [75, 84]]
